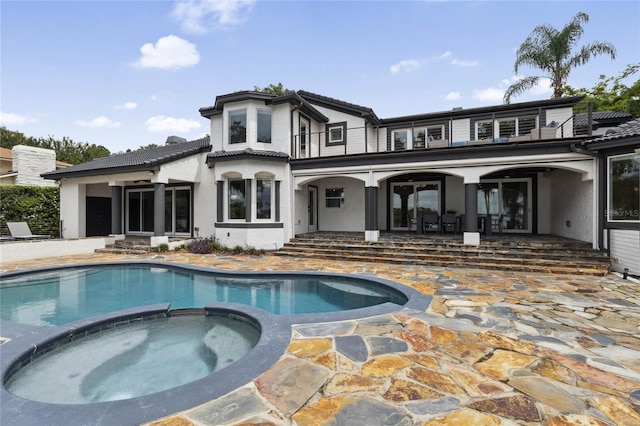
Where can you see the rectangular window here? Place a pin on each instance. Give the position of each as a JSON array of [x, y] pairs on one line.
[[484, 130], [264, 126], [526, 125], [237, 199], [435, 132], [400, 139], [334, 197], [263, 198], [419, 137], [238, 126], [507, 128], [337, 133], [624, 188]]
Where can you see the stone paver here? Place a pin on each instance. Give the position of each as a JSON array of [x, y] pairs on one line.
[[493, 348]]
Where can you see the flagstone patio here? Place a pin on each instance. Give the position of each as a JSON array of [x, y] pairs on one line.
[[493, 348]]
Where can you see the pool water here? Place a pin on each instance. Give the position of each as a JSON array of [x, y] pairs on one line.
[[134, 360], [62, 296]]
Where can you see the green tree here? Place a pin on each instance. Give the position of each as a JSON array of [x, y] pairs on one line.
[[66, 149], [551, 50], [612, 94], [273, 89]]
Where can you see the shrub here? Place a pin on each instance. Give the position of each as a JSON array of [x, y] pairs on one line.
[[237, 250], [163, 247], [201, 245]]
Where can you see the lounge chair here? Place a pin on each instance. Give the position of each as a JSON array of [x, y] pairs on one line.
[[430, 223], [21, 231]]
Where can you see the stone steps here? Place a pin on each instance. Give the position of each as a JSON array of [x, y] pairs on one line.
[[135, 246], [552, 256]]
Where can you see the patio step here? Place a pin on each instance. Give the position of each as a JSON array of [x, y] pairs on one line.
[[128, 246], [535, 255]]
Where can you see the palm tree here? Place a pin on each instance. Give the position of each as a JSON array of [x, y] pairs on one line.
[[550, 50]]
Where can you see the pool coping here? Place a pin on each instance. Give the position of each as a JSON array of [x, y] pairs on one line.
[[274, 340]]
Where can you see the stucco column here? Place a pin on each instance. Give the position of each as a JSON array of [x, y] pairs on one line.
[[116, 210], [158, 209], [247, 199], [471, 235], [371, 231]]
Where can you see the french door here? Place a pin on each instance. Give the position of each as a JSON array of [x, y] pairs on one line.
[[508, 201], [412, 200]]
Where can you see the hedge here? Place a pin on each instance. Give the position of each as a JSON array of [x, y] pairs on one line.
[[39, 206]]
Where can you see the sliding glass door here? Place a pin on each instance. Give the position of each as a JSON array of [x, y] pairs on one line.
[[508, 202], [177, 211], [412, 200]]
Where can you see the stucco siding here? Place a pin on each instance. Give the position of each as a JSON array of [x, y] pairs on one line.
[[349, 217], [625, 250], [571, 212]]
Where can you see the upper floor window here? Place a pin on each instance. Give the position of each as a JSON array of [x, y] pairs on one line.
[[238, 126], [484, 130], [263, 198], [624, 188], [516, 126], [419, 138], [337, 133], [400, 138], [264, 126], [435, 132]]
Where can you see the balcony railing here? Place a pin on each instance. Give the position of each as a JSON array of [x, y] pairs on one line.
[[364, 140]]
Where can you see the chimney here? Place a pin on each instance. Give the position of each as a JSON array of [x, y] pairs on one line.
[[172, 140]]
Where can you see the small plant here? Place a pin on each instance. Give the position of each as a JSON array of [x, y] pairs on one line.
[[237, 250], [180, 247], [164, 247]]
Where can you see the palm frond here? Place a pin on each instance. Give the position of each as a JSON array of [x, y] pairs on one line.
[[520, 87]]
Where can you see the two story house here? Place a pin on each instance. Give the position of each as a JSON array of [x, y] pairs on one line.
[[276, 166]]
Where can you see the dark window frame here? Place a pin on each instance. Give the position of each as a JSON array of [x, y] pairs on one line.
[[343, 126]]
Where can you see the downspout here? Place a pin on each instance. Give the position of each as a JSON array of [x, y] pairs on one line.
[[580, 150]]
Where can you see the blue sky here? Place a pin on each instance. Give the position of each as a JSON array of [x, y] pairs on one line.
[[128, 73]]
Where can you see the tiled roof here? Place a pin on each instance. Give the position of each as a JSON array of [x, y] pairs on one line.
[[628, 129], [144, 159], [237, 155], [601, 117]]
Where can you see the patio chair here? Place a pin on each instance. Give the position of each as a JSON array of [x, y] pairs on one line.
[[449, 222], [430, 222], [21, 231]]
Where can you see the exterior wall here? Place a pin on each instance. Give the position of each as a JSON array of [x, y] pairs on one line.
[[625, 250], [572, 208], [28, 250], [280, 128], [350, 217], [355, 133], [460, 130], [545, 182], [98, 190], [300, 210], [30, 162], [454, 195], [72, 209], [559, 115]]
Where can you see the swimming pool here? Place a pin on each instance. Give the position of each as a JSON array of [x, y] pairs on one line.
[[62, 296], [59, 306]]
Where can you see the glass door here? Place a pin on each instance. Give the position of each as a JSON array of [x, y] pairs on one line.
[[177, 211], [140, 211], [506, 204], [411, 201]]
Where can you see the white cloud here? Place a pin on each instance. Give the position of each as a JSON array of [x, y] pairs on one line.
[[490, 94], [453, 96], [101, 121], [126, 105], [199, 16], [11, 119], [407, 65], [464, 63], [160, 123], [170, 52]]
